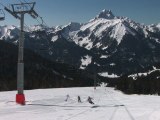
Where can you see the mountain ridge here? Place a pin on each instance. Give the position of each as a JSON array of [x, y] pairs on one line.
[[107, 39]]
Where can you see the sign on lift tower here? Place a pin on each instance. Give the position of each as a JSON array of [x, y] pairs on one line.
[[18, 11]]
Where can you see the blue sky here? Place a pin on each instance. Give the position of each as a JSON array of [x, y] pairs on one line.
[[61, 12]]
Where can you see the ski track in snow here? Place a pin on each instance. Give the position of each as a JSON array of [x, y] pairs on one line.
[[50, 104]]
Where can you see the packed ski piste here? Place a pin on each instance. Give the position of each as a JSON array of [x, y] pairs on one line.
[[81, 103]]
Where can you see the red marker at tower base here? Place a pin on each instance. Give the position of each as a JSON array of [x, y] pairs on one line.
[[20, 99]]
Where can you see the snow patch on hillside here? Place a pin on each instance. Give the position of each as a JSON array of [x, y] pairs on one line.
[[54, 38], [112, 64], [135, 76], [98, 45], [106, 74], [85, 42], [145, 32], [36, 27], [158, 26], [119, 31], [5, 31], [104, 56], [156, 39], [85, 61], [104, 48]]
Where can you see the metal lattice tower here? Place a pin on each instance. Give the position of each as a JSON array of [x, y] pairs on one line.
[[18, 11]]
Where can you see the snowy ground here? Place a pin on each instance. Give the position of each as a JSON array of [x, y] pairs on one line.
[[50, 104]]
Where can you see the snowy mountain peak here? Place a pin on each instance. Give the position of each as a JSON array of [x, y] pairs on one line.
[[38, 27], [7, 31], [73, 26], [107, 14]]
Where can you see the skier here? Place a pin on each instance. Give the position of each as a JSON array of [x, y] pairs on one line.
[[79, 99], [90, 100], [67, 97]]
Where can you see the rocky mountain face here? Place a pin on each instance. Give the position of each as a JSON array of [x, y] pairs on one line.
[[110, 45]]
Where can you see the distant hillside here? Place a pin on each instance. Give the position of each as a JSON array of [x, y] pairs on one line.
[[39, 72], [140, 83]]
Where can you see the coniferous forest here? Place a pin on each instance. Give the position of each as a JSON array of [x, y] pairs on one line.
[[38, 71]]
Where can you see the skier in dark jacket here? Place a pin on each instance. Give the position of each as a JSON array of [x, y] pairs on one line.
[[79, 99], [67, 97], [90, 100]]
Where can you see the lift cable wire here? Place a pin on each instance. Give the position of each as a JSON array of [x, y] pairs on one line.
[[42, 23], [6, 7], [31, 6], [40, 17], [48, 46]]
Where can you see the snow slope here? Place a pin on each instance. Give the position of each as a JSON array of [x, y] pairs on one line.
[[50, 104]]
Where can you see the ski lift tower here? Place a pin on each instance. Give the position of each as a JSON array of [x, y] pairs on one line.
[[18, 11], [95, 76]]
